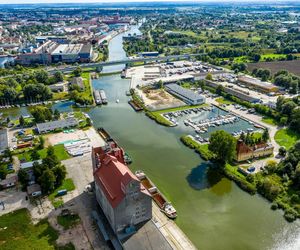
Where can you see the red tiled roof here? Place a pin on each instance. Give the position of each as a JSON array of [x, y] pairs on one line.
[[112, 175], [242, 148]]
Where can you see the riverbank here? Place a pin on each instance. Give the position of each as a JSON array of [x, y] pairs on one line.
[[267, 182], [172, 233]]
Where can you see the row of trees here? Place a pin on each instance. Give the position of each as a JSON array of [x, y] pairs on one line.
[[289, 112], [49, 174], [28, 87], [42, 114]]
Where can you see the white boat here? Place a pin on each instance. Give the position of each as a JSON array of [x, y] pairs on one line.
[[117, 101]]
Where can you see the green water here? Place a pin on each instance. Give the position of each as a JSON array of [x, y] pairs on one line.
[[212, 211]]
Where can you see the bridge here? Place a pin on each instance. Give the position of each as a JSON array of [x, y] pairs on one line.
[[69, 68]]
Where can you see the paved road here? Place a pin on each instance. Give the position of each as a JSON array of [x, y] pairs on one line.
[[80, 170]]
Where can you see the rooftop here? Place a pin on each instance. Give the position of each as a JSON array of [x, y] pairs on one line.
[[69, 49], [111, 174], [183, 91]]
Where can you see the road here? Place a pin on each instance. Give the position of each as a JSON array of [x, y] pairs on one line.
[[80, 170]]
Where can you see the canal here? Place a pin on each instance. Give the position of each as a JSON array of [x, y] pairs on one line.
[[212, 211]]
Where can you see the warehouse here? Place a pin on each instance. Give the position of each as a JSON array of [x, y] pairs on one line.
[[186, 95], [70, 53], [257, 84], [60, 124]]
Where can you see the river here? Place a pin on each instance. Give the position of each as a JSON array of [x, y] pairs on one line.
[[212, 211]]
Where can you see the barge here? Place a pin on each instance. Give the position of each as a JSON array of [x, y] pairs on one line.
[[103, 96], [97, 97], [165, 206]]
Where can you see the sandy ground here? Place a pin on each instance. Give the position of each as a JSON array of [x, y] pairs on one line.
[[159, 99]]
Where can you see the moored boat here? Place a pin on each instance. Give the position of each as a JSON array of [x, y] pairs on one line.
[[164, 205]]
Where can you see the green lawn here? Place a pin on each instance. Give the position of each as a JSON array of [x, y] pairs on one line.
[[59, 151], [57, 201], [221, 100], [87, 87], [269, 120], [286, 138], [68, 221], [60, 96], [21, 234]]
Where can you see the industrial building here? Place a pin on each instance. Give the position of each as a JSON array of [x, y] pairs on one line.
[[234, 92], [186, 95], [123, 199], [71, 53], [53, 52], [59, 124], [40, 55], [257, 84]]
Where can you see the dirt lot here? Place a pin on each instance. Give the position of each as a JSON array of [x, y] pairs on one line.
[[291, 66], [159, 99]]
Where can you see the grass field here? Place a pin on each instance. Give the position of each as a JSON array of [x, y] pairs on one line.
[[221, 100], [21, 234], [269, 120], [286, 138], [291, 66], [59, 151], [58, 201]]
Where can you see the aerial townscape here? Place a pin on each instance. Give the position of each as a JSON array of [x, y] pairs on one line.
[[150, 125]]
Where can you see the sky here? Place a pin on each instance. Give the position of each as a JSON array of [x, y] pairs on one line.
[[111, 1]]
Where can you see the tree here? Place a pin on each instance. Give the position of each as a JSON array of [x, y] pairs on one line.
[[41, 76], [34, 156], [60, 174], [219, 90], [47, 181], [8, 154], [256, 57], [41, 114], [265, 136], [77, 72], [88, 121], [56, 114], [21, 121], [209, 77], [282, 151], [223, 145], [23, 177], [58, 76], [41, 142]]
